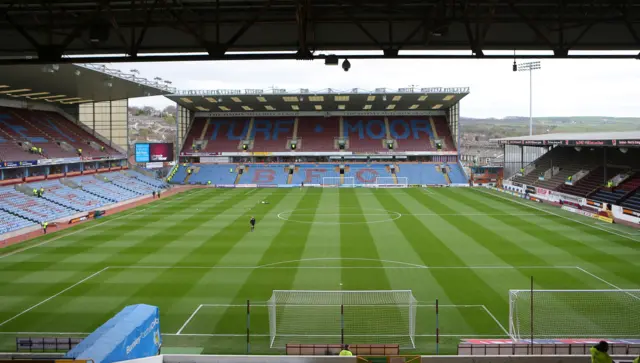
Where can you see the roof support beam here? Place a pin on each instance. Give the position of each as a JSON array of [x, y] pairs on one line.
[[348, 13], [212, 50], [303, 12], [532, 26], [135, 46], [247, 25]]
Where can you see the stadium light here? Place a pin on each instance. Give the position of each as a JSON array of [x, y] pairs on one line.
[[528, 67]]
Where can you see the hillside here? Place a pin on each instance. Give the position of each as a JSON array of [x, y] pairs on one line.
[[518, 126]]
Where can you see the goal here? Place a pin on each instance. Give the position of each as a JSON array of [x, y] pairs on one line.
[[557, 314], [342, 317], [334, 182], [389, 182]]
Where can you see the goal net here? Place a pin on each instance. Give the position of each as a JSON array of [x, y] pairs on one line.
[[389, 182], [334, 182], [557, 314], [342, 317]]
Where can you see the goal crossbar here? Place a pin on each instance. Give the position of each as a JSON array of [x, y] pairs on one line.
[[597, 314], [332, 181], [342, 317]]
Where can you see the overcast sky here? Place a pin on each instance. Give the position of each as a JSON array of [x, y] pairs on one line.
[[561, 88]]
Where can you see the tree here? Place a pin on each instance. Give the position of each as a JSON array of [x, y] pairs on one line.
[[171, 109], [148, 110]]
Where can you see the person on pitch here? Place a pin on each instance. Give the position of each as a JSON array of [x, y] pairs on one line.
[[599, 353], [252, 222]]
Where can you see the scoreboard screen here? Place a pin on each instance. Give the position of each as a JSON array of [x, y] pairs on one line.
[[158, 152]]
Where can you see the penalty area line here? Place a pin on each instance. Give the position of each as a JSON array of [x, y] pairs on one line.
[[188, 320], [495, 319]]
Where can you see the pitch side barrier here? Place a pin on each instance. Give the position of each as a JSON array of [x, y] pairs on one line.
[[571, 203], [336, 186], [181, 358]]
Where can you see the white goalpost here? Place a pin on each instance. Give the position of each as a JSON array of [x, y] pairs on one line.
[[334, 182], [389, 182], [342, 317], [557, 314]]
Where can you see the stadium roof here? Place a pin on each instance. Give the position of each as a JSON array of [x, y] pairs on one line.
[[381, 99], [75, 83], [614, 138], [43, 31]]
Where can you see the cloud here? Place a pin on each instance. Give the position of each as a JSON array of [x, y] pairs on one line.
[[563, 87]]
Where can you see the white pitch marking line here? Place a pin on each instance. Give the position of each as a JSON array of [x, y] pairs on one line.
[[343, 259], [53, 296], [496, 320], [608, 226], [84, 229], [405, 214], [188, 320], [555, 214], [506, 267], [606, 282]]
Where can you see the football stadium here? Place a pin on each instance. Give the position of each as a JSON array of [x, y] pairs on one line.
[[292, 225]]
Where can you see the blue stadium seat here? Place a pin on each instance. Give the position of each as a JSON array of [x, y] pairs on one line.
[[457, 175], [75, 199], [263, 174], [421, 174], [217, 174], [11, 222]]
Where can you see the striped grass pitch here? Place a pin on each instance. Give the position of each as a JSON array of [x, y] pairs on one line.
[[193, 255]]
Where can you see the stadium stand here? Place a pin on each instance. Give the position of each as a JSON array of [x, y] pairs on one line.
[[75, 199], [216, 174], [195, 133], [589, 183], [180, 174], [58, 137], [313, 174], [133, 185], [220, 134], [271, 134], [31, 208], [633, 201], [366, 174], [318, 133], [421, 173], [456, 174], [365, 134], [157, 183], [74, 135], [443, 132], [263, 174], [11, 222], [418, 173], [411, 133], [104, 189]]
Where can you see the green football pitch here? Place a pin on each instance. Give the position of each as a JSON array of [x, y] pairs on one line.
[[193, 256]]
